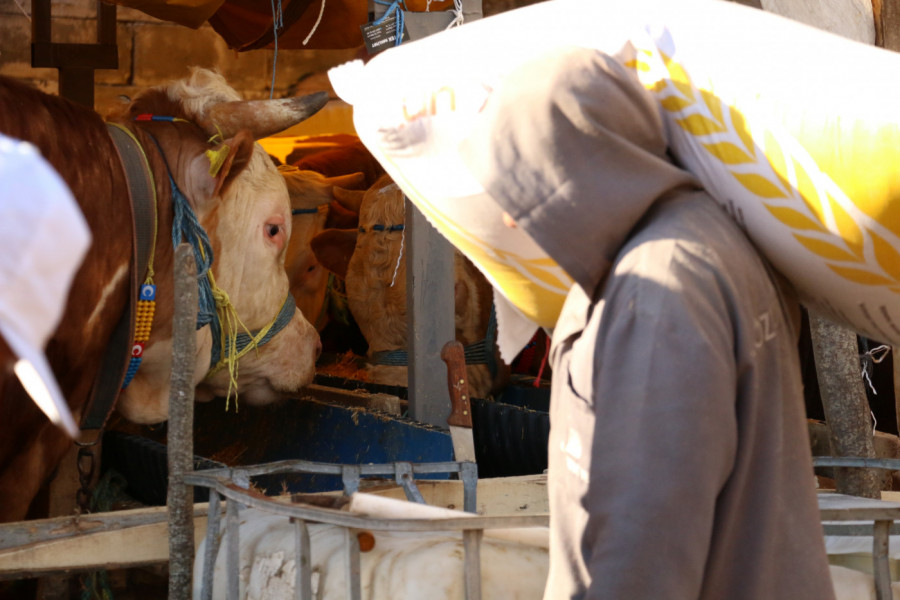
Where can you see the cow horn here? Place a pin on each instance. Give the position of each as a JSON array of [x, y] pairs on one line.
[[262, 117]]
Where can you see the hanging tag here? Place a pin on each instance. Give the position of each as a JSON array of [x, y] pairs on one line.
[[383, 35]]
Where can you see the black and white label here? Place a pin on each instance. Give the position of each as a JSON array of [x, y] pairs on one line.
[[383, 35]]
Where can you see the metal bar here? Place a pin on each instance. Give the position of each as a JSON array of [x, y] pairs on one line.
[[303, 573], [354, 586], [844, 400], [212, 546], [469, 475], [233, 550], [890, 464], [250, 499], [180, 437], [882, 574], [404, 478], [350, 479], [304, 466], [845, 529], [472, 563]]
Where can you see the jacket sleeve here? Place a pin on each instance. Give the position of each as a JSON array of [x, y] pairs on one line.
[[656, 366]]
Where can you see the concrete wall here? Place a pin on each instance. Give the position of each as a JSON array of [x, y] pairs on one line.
[[153, 51]]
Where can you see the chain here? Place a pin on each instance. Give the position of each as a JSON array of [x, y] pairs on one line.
[[86, 464]]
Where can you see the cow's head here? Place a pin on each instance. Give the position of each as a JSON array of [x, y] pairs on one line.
[[241, 201], [371, 258], [313, 209]]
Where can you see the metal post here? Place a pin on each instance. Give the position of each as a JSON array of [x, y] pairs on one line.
[[212, 545], [303, 573], [472, 562], [352, 575], [180, 446], [880, 540], [233, 549]]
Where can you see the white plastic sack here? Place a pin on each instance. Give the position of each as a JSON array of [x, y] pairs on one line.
[[792, 129]]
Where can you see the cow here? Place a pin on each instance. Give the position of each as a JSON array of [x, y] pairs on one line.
[[314, 208], [336, 154], [393, 564], [213, 186], [372, 261]]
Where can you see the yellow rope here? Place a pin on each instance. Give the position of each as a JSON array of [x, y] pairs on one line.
[[230, 321]]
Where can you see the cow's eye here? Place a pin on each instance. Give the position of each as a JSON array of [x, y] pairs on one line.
[[272, 230]]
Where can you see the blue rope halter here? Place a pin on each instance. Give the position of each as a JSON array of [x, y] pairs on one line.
[[186, 227], [393, 7], [477, 353], [303, 211]]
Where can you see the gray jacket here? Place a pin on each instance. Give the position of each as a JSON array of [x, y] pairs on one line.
[[679, 462]]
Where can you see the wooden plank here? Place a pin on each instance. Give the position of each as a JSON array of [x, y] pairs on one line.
[[843, 507], [384, 402], [75, 56], [496, 496], [889, 23], [119, 539]]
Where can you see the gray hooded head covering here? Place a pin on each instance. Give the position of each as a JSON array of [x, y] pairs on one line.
[[574, 149]]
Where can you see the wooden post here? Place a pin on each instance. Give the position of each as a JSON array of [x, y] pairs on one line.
[[887, 23], [76, 62], [180, 446], [430, 317], [845, 404], [430, 289]]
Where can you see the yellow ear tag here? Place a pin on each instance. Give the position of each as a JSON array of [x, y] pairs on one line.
[[217, 158]]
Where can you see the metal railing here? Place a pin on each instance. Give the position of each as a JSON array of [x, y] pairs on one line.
[[223, 485]]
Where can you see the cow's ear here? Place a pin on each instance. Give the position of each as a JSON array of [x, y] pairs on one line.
[[228, 159], [349, 199], [340, 217], [334, 248]]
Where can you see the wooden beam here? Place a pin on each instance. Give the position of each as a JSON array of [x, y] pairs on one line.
[[180, 443], [845, 403], [430, 294], [430, 287], [128, 538], [888, 23], [76, 62]]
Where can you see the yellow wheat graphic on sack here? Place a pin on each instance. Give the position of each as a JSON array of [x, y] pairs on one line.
[[785, 178]]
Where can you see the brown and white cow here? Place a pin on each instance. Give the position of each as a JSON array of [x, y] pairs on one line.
[[335, 154], [239, 199], [372, 260], [314, 208]]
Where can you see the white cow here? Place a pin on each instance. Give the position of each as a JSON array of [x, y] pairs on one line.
[[400, 565]]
